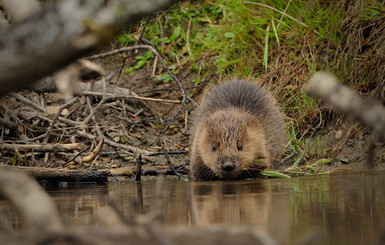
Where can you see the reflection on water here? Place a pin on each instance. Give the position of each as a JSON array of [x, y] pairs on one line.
[[344, 209]]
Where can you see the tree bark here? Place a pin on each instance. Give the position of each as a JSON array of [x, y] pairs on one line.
[[61, 33], [61, 175]]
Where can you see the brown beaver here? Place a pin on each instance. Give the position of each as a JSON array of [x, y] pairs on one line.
[[237, 130]]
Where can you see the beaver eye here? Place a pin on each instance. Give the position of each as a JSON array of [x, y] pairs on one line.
[[240, 147], [214, 148]]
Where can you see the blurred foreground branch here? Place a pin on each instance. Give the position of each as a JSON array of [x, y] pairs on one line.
[[52, 38], [326, 87], [33, 204]]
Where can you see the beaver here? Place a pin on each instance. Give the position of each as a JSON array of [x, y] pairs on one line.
[[238, 131]]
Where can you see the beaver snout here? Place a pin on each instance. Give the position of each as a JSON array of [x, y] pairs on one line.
[[228, 166]]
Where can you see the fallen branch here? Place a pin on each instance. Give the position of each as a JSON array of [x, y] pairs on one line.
[[62, 175], [42, 148], [114, 144], [94, 153]]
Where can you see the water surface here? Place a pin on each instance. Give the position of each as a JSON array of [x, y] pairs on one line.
[[340, 209]]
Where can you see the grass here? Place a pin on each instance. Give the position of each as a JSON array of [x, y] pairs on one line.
[[279, 43]]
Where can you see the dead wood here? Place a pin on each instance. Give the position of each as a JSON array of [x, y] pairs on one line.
[[62, 175], [327, 87], [42, 147], [8, 124], [33, 204], [117, 145], [60, 34], [96, 89], [158, 56], [94, 153]]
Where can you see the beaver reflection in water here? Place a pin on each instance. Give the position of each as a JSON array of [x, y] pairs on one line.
[[238, 131]]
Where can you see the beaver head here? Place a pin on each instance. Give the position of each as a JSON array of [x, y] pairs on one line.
[[232, 142]]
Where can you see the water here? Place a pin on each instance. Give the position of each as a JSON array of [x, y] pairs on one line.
[[339, 209]]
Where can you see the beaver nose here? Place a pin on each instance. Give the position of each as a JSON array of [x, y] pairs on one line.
[[228, 166]]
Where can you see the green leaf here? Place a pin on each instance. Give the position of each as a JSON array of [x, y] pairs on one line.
[[165, 77], [14, 159], [274, 173], [175, 34], [148, 55], [229, 34], [275, 31], [36, 122], [122, 139], [166, 40], [266, 50]]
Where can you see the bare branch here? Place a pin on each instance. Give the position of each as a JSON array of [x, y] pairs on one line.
[[42, 148]]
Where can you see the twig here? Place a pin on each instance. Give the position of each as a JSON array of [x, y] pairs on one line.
[[28, 102], [169, 153], [94, 153], [288, 158], [121, 50], [172, 166], [187, 37], [121, 69], [280, 20], [133, 96], [154, 65], [74, 157], [142, 31], [114, 144], [52, 123], [93, 110], [113, 175], [184, 93], [138, 169], [61, 108], [170, 121], [283, 13]]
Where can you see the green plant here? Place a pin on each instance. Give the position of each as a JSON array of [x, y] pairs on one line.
[[142, 60]]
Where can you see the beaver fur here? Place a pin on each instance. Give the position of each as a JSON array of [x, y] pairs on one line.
[[237, 132]]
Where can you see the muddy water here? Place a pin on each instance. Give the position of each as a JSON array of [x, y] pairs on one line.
[[339, 209]]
